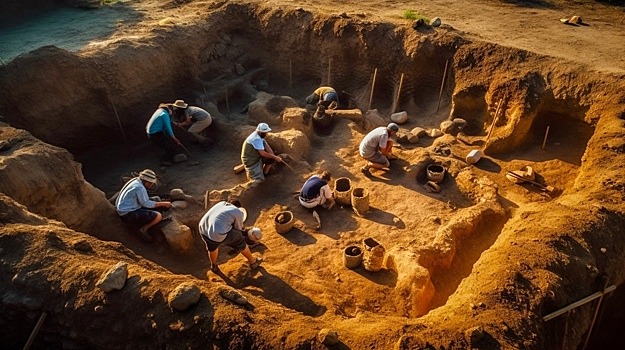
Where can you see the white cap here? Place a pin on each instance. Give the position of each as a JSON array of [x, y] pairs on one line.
[[255, 234], [263, 127]]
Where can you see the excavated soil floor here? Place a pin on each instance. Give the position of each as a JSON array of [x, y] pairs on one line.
[[477, 265]]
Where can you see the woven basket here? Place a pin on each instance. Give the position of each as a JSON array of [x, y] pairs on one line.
[[343, 191], [373, 258], [284, 222], [360, 200], [352, 257]]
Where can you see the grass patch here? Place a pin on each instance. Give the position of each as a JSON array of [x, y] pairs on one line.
[[413, 15]]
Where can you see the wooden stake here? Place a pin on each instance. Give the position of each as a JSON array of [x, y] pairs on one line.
[[566, 330], [440, 94], [329, 72], [118, 120], [492, 125], [375, 73], [594, 316], [545, 138], [33, 334], [396, 102]]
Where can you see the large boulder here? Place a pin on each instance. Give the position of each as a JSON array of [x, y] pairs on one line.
[[298, 119], [293, 142]]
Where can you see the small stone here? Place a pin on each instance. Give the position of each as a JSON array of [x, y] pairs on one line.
[[603, 250], [239, 69], [98, 309], [399, 117], [396, 220], [183, 296], [177, 194], [114, 278], [419, 131], [448, 126], [435, 133], [435, 22]]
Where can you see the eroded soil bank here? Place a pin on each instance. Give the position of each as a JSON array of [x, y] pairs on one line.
[[477, 265]]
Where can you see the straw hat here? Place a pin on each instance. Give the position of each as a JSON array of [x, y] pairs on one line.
[[180, 104], [148, 176]]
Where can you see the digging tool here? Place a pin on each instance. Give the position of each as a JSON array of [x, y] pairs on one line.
[[545, 188], [288, 166]]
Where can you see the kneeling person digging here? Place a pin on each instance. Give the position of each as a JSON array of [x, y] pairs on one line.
[[316, 192]]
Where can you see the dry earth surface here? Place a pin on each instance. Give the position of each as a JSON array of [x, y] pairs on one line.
[[477, 265]]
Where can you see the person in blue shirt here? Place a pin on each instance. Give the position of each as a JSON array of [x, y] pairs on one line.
[[316, 191], [223, 224], [134, 206], [160, 132]]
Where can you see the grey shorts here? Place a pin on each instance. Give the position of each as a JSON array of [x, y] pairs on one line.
[[379, 158], [234, 239]]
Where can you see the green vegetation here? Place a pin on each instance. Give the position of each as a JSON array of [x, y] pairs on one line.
[[414, 15]]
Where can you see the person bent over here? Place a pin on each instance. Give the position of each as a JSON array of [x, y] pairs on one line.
[[134, 206], [194, 119], [223, 225], [256, 154], [321, 94], [159, 131], [377, 147], [316, 191]]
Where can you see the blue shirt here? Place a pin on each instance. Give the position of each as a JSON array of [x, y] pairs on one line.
[[219, 220], [312, 187], [160, 122], [133, 196]]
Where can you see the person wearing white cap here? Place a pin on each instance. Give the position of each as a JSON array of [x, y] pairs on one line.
[[377, 147], [161, 134], [256, 154], [134, 205], [223, 224], [194, 119]]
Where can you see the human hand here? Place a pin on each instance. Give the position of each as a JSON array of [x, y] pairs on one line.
[[279, 160]]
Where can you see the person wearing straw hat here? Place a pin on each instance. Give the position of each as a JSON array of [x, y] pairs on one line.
[[316, 191], [193, 119], [134, 206], [256, 154], [162, 135], [223, 225], [377, 148]]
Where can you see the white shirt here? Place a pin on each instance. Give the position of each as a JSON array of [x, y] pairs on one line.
[[374, 140], [219, 220]]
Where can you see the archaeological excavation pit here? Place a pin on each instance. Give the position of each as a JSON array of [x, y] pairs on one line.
[[478, 264]]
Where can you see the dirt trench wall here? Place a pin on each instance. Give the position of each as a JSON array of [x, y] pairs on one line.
[[50, 183], [74, 100]]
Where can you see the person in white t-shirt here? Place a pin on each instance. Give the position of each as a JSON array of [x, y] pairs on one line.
[[377, 147]]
